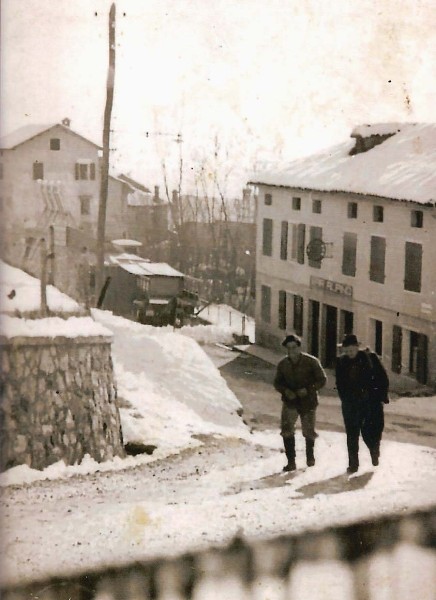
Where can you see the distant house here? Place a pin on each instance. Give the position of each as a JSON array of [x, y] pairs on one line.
[[346, 242], [51, 178]]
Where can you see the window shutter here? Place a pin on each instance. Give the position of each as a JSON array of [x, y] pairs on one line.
[[77, 171], [284, 241], [315, 234], [413, 267], [92, 171], [377, 262], [301, 243], [282, 310], [294, 251], [349, 253]]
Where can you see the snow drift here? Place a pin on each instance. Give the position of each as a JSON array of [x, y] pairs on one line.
[[168, 387]]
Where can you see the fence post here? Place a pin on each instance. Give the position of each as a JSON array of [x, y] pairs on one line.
[[51, 275], [43, 257]]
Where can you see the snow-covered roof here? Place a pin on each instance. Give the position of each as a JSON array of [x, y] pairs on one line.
[[403, 167], [141, 266], [126, 243], [20, 293], [28, 132]]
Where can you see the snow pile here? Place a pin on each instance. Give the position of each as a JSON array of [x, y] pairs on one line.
[[229, 320], [403, 167], [209, 334], [51, 327], [169, 389], [20, 293]]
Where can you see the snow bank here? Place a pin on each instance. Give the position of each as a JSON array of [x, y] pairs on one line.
[[229, 320], [209, 334], [20, 292], [73, 327], [169, 388]]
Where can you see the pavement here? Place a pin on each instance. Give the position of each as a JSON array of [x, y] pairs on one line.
[[250, 376]]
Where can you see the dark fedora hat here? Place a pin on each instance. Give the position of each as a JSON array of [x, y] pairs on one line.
[[350, 340], [291, 338]]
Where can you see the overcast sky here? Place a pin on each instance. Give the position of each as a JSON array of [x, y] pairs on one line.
[[273, 79]]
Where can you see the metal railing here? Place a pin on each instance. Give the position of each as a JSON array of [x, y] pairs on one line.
[[388, 558]]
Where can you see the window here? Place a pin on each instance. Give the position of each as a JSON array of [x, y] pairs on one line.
[[417, 218], [378, 337], [85, 205], [268, 199], [1, 170], [265, 304], [296, 203], [282, 309], [352, 210], [284, 241], [413, 267], [298, 242], [267, 237], [85, 170], [317, 206], [38, 170], [349, 253], [315, 234], [377, 260], [298, 314], [55, 144], [377, 214]]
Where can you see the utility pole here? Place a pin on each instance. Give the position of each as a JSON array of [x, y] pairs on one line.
[[101, 226]]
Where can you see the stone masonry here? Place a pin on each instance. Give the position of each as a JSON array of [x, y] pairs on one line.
[[58, 401]]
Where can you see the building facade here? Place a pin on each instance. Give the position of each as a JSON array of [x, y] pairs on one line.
[[334, 262]]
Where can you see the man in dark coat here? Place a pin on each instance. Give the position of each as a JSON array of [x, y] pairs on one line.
[[363, 385], [298, 378]]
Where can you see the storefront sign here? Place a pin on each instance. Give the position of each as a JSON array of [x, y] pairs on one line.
[[331, 286]]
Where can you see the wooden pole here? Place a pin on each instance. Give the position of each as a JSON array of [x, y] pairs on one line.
[[43, 256], [101, 227], [51, 275]]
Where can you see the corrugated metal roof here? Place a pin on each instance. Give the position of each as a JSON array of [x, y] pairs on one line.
[[140, 266], [403, 167]]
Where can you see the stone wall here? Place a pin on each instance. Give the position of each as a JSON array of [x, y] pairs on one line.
[[58, 401]]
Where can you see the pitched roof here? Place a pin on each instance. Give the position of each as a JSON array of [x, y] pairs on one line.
[[133, 183], [28, 132], [403, 167]]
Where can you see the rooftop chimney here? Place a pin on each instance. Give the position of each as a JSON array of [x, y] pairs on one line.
[[66, 122]]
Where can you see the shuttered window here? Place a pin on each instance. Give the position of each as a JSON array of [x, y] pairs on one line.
[[284, 241], [267, 237], [301, 241], [413, 267], [315, 234], [377, 259], [349, 253], [282, 310], [38, 170]]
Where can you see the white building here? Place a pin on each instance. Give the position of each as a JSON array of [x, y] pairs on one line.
[[347, 242]]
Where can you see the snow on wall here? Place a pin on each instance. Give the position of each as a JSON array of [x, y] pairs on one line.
[[50, 327], [20, 292], [403, 167]]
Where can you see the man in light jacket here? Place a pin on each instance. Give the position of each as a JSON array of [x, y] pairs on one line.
[[298, 378]]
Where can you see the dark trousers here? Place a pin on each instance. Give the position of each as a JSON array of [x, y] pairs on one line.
[[366, 418]]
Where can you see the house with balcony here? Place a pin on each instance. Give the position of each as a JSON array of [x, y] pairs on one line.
[[346, 242]]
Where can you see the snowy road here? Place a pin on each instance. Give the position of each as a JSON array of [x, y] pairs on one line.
[[201, 497]]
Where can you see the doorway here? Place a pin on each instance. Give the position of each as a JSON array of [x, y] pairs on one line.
[[314, 327], [330, 337], [418, 350]]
